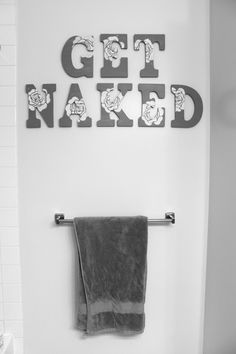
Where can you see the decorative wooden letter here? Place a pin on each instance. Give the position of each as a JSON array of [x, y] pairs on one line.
[[152, 114], [40, 105], [111, 100], [180, 92], [75, 109], [148, 40], [66, 57], [112, 43]]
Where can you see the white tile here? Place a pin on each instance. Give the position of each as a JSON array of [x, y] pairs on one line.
[[7, 75], [1, 311], [12, 293], [7, 96], [12, 311], [11, 274], [7, 136], [7, 35], [7, 14], [2, 327], [7, 116], [9, 236], [8, 197], [8, 177], [7, 55], [8, 217], [14, 327], [1, 293], [10, 255], [18, 346], [7, 156]]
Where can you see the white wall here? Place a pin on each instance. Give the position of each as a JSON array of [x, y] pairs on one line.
[[113, 171], [10, 280], [220, 319]]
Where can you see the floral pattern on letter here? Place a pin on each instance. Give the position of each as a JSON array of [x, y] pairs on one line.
[[87, 41], [111, 100], [76, 107], [38, 100], [148, 49], [152, 114], [111, 47], [179, 99]]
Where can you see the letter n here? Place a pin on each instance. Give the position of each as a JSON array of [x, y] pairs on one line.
[[40, 105]]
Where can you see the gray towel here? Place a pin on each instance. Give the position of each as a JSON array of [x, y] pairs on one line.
[[113, 267]]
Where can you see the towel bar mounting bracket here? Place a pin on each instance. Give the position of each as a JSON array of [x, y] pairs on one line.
[[58, 218], [170, 216]]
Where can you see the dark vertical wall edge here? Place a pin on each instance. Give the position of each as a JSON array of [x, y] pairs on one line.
[[220, 303]]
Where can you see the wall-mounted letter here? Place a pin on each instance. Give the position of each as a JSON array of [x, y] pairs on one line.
[[148, 40], [75, 109], [112, 43], [111, 100], [40, 105], [66, 56], [152, 114], [180, 92]]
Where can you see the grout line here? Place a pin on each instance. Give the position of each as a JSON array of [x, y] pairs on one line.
[[5, 227], [7, 126], [7, 187], [3, 127], [11, 283], [6, 166], [7, 146], [2, 246], [15, 207], [7, 44], [9, 226]]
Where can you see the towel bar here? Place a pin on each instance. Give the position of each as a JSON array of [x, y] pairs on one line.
[[169, 219]]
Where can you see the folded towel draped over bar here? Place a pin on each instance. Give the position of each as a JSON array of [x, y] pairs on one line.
[[112, 273]]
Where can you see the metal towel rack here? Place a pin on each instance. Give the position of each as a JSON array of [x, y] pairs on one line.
[[169, 219]]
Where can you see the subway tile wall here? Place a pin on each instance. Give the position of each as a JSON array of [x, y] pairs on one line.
[[10, 276]]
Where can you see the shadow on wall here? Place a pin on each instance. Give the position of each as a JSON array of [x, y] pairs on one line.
[[224, 108], [220, 310]]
